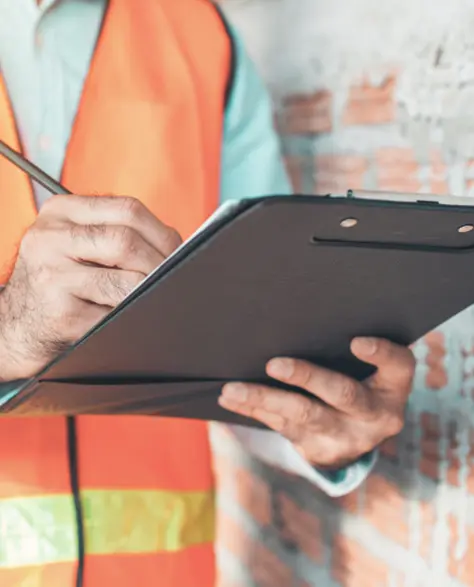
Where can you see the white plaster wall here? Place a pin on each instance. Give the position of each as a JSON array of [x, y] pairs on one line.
[[305, 45]]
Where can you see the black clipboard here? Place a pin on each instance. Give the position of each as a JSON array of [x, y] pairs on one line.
[[294, 276]]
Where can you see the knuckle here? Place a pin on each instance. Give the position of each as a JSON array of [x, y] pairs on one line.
[[92, 232], [258, 397], [172, 239], [51, 204], [285, 428], [125, 240], [404, 371], [347, 391], [324, 453], [131, 208], [394, 424], [304, 410]]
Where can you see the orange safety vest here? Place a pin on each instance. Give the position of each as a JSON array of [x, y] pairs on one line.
[[149, 125]]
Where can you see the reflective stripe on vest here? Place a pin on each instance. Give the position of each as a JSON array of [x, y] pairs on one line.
[[124, 521], [150, 125]]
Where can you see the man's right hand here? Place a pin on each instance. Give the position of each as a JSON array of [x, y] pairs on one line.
[[80, 259]]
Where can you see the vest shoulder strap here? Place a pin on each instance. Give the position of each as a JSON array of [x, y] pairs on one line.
[[233, 57]]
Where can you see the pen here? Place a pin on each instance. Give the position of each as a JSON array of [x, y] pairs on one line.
[[32, 170]]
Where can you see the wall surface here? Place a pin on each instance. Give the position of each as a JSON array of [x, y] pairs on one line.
[[376, 94], [387, 87]]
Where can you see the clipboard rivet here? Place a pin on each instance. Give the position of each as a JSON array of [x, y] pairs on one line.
[[466, 228], [348, 222]]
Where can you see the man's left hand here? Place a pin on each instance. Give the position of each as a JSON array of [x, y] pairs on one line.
[[346, 419]]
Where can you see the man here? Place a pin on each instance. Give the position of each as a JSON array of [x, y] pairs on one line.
[[140, 98]]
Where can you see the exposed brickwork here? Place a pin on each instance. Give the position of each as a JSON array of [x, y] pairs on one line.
[[369, 571], [306, 115], [437, 376], [368, 104], [264, 566], [334, 173], [367, 97], [300, 527]]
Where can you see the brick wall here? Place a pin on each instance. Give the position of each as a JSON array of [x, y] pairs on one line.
[[364, 95], [375, 95]]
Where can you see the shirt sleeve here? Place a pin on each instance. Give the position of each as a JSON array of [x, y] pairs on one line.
[[252, 166]]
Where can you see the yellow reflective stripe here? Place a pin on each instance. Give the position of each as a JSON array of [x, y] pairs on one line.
[[41, 530]]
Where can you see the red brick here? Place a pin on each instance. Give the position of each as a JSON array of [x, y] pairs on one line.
[[350, 502], [308, 114], [470, 460], [301, 527], [353, 566], [369, 104], [429, 445], [386, 509], [454, 463], [251, 492], [436, 377], [397, 170], [338, 173], [265, 567], [462, 569], [254, 495]]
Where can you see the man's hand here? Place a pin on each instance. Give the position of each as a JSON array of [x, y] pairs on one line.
[[80, 259], [346, 419]]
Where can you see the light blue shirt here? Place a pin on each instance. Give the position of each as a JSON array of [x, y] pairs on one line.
[[45, 53], [44, 57]]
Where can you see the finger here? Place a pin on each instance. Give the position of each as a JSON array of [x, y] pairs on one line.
[[114, 210], [395, 363], [103, 287], [109, 245], [338, 391], [286, 412], [76, 324]]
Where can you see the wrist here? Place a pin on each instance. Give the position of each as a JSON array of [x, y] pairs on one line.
[[11, 367]]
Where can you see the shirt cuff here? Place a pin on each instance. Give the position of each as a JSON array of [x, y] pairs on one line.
[[275, 450]]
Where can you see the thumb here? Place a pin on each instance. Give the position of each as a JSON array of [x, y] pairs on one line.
[[395, 363]]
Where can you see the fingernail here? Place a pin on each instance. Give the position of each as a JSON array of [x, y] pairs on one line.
[[365, 345], [281, 368], [236, 392]]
